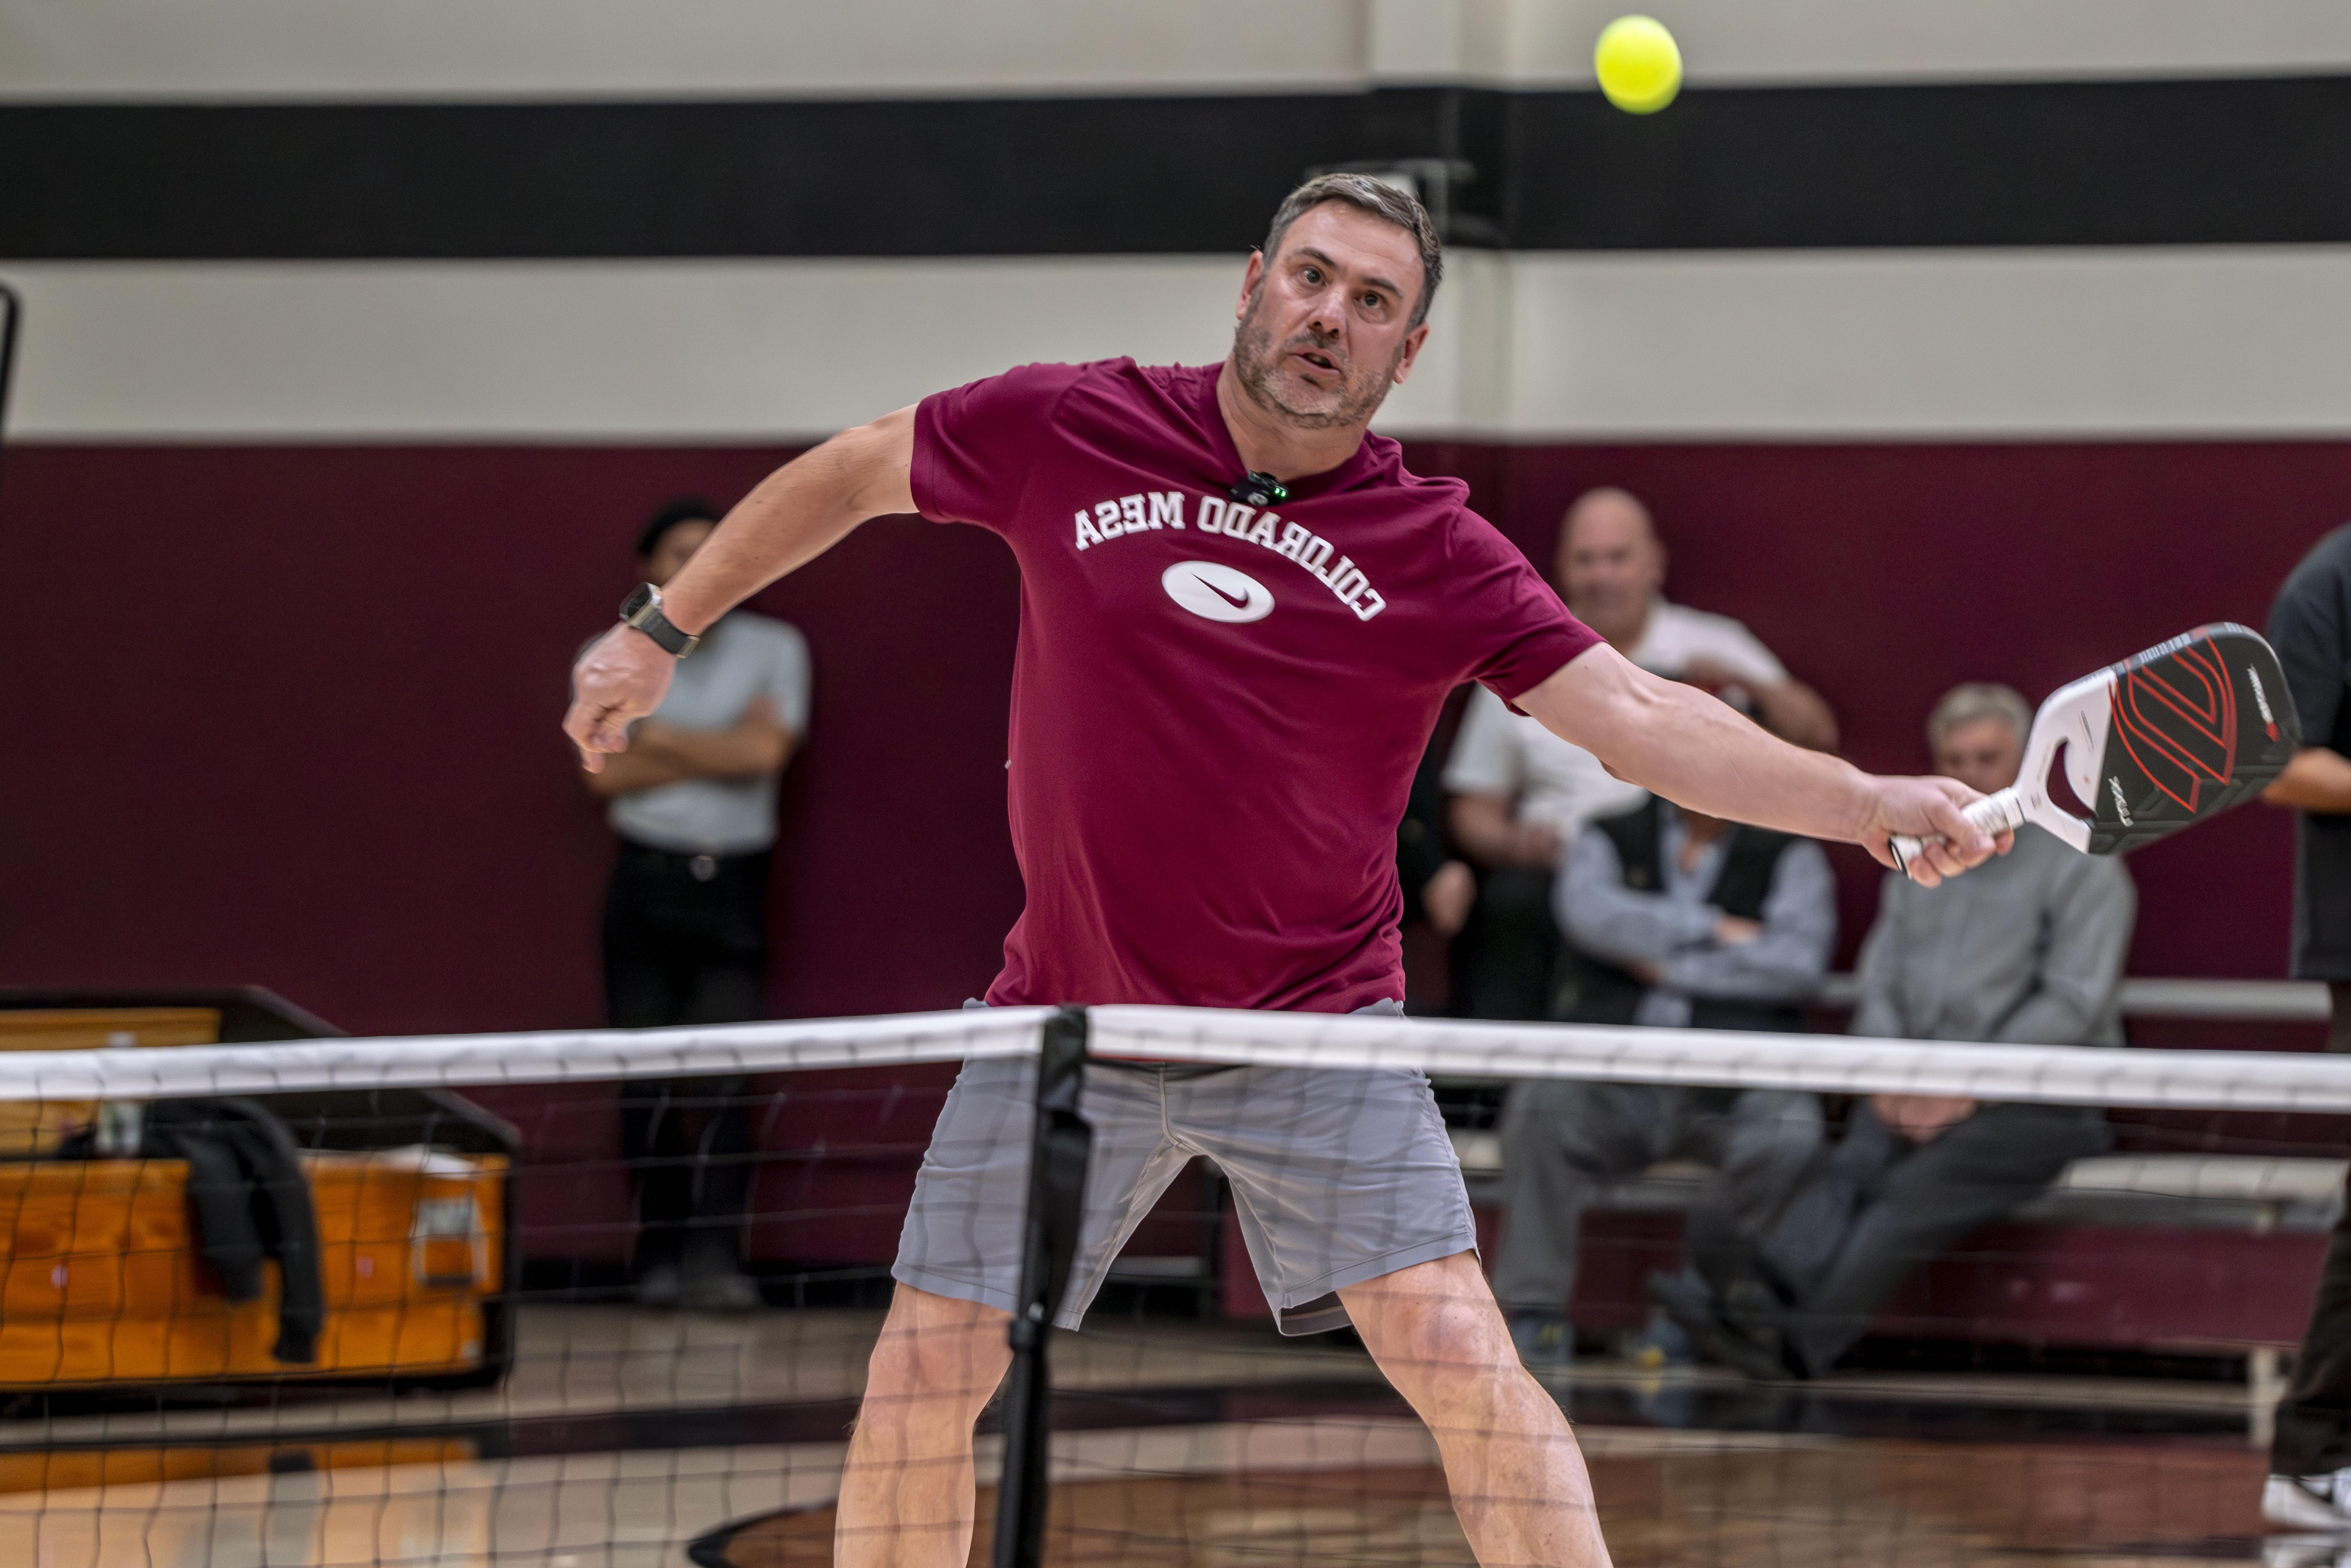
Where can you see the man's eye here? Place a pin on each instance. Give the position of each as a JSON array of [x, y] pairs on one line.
[[1373, 302], [1311, 274]]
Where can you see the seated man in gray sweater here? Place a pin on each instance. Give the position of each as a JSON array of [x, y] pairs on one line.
[[2028, 952], [1674, 920]]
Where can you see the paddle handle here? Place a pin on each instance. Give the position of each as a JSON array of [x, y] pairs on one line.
[[1997, 812]]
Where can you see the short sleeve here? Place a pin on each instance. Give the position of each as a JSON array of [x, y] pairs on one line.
[[787, 682], [2307, 631], [1486, 758], [1521, 634], [974, 445]]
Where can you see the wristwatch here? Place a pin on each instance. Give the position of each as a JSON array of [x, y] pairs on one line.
[[642, 610]]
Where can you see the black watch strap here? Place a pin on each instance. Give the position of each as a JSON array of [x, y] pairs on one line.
[[642, 610]]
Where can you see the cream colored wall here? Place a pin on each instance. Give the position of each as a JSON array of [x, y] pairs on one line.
[[1815, 345], [1549, 42], [651, 48], [249, 49]]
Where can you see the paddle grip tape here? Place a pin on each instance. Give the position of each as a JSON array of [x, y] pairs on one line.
[[1997, 812]]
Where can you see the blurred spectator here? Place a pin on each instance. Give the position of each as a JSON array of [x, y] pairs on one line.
[[2025, 949], [1437, 888], [2310, 625], [1520, 794], [1676, 920], [686, 940], [1437, 891]]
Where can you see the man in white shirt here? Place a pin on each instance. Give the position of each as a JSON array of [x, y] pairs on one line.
[[1520, 794], [686, 940]]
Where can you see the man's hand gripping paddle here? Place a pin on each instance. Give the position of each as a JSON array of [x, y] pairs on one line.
[[2165, 739]]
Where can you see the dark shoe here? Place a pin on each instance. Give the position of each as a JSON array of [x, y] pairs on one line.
[[658, 1286], [711, 1277], [734, 1292], [1545, 1341], [1750, 1350]]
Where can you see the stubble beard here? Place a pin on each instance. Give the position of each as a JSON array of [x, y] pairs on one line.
[[1254, 356]]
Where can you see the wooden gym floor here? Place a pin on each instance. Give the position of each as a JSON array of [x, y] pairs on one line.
[[625, 1436]]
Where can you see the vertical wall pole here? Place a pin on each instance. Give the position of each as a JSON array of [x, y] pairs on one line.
[[11, 309]]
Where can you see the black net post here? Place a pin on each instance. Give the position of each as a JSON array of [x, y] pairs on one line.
[[1057, 1187]]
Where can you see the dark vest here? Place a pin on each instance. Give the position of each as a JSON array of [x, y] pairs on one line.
[[1599, 992]]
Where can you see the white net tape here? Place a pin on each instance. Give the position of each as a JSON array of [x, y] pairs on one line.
[[552, 1057], [2248, 1081]]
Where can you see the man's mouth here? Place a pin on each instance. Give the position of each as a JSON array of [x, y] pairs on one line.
[[1318, 359]]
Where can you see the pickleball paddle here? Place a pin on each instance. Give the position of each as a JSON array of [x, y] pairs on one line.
[[2166, 739]]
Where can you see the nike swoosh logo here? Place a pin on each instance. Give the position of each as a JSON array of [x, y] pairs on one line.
[[1237, 600], [1216, 592]]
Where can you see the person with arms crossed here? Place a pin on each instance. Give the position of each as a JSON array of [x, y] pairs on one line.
[[685, 919], [2309, 1486], [1674, 920], [1521, 794], [2028, 951], [1239, 618]]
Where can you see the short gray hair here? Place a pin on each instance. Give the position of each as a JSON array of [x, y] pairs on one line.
[[1975, 700], [1390, 203]]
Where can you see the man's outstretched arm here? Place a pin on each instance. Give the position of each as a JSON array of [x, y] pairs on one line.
[[1698, 752], [795, 515]]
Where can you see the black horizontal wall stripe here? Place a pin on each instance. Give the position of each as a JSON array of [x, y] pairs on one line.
[[973, 177], [2235, 162], [2175, 163]]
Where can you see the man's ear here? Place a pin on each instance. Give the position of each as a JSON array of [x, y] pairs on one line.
[[1412, 342], [1250, 278]]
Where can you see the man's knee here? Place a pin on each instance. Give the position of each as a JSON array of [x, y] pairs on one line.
[[937, 1348], [1433, 1327]]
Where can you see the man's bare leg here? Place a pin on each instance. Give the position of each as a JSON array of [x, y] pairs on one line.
[[1517, 1480], [906, 1495]]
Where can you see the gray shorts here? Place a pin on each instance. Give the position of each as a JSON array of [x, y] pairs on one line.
[[1337, 1177]]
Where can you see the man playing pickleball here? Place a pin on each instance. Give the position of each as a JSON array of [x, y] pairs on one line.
[[1240, 614]]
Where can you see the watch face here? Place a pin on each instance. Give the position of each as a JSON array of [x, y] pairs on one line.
[[637, 600]]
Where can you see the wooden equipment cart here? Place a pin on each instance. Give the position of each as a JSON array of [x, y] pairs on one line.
[[102, 1281]]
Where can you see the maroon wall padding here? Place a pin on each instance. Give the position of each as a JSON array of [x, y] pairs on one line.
[[285, 714], [288, 714]]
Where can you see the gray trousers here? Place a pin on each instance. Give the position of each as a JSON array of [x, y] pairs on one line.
[[1563, 1142], [1877, 1206]]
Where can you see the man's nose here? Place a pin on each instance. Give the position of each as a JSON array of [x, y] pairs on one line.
[[1330, 311]]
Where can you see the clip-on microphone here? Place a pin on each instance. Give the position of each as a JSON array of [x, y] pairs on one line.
[[1260, 490]]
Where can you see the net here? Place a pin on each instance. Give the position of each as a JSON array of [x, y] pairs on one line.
[[386, 1301], [609, 1298]]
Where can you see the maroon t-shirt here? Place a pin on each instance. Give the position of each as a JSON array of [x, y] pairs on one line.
[[1216, 710]]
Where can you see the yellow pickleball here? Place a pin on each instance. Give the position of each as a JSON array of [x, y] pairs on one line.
[[1639, 64]]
